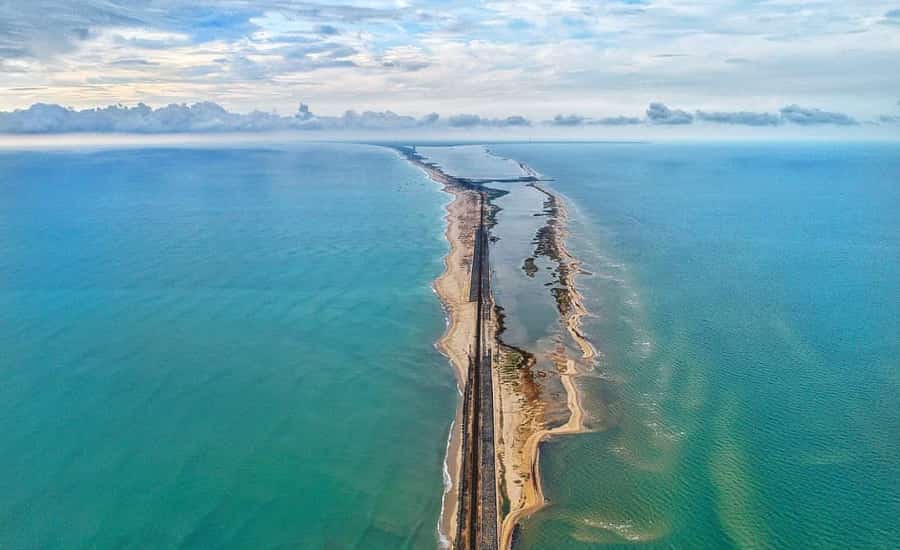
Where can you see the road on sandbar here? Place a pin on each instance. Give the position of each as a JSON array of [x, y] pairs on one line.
[[477, 525]]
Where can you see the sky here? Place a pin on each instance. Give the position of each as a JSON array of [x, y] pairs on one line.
[[569, 65]]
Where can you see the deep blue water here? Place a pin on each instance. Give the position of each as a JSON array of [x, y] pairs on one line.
[[746, 299], [220, 348]]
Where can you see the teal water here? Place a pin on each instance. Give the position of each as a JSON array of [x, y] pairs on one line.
[[233, 347], [745, 299], [220, 349]]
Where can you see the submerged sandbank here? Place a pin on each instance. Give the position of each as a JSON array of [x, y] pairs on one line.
[[550, 243]]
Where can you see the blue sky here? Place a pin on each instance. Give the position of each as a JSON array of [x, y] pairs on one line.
[[764, 63]]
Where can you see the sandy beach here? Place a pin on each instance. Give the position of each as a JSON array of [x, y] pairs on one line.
[[452, 287], [526, 426], [521, 412]]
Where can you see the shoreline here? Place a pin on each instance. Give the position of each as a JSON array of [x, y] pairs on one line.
[[570, 307], [516, 411], [452, 288]]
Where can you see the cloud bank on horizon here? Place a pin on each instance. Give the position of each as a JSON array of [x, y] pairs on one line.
[[490, 64], [209, 117]]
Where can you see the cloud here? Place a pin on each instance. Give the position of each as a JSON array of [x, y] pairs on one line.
[[578, 120], [567, 120], [327, 30], [406, 58], [805, 116], [892, 17], [464, 56], [132, 62], [740, 117], [328, 51], [658, 113], [206, 116], [369, 120], [430, 119], [201, 117], [463, 121], [890, 119], [469, 121], [615, 121], [44, 28]]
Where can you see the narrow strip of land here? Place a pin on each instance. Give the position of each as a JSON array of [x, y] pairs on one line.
[[472, 505], [477, 527]]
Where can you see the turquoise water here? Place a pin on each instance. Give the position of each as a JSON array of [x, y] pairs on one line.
[[220, 348], [745, 300], [234, 347]]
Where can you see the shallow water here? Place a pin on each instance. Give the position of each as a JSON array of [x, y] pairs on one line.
[[470, 161], [220, 348], [745, 302], [529, 308]]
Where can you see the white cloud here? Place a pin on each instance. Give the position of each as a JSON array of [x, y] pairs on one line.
[[209, 117], [206, 117], [534, 58]]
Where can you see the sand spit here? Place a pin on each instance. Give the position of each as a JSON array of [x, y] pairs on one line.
[[527, 427], [524, 415], [452, 287]]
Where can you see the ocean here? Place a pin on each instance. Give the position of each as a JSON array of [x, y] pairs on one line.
[[220, 348], [745, 299], [234, 347]]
